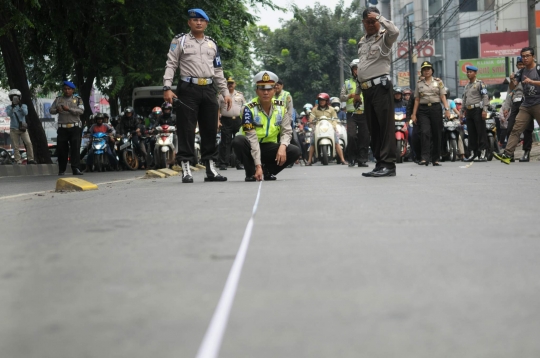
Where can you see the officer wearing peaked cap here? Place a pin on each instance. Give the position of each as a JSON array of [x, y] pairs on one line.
[[475, 106], [230, 124], [197, 57], [264, 148], [69, 108]]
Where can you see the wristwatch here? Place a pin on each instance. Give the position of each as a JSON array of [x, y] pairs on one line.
[[447, 109], [166, 88], [378, 17]]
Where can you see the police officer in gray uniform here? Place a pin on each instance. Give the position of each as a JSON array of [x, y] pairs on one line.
[[198, 58], [69, 107], [374, 51], [475, 106]]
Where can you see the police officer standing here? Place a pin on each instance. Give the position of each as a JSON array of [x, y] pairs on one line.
[[429, 94], [475, 106], [69, 107], [199, 61], [357, 126], [265, 149], [230, 123], [375, 51]]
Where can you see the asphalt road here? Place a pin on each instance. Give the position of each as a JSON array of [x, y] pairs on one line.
[[436, 262]]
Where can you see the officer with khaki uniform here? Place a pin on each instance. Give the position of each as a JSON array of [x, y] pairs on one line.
[[69, 108], [374, 53], [230, 123], [427, 112], [475, 106], [197, 57]]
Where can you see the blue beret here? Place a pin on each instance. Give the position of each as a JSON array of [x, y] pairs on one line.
[[472, 68], [198, 14], [69, 84], [519, 59]]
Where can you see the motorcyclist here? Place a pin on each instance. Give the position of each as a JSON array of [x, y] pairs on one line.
[[398, 98], [323, 109], [100, 127], [129, 124], [407, 93], [307, 111], [168, 118]]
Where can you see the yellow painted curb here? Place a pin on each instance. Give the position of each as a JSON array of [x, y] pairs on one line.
[[74, 184], [193, 168], [200, 166], [177, 168], [154, 174], [168, 172]]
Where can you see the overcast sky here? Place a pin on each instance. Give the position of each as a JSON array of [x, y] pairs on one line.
[[271, 18]]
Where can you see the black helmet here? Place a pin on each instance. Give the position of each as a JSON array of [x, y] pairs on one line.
[[99, 116], [398, 90], [128, 110]]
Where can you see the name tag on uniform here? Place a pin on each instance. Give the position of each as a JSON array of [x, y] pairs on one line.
[[518, 99]]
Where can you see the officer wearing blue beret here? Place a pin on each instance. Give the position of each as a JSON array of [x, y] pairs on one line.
[[69, 108], [197, 57]]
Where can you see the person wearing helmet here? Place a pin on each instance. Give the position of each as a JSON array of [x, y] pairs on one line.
[[357, 126], [407, 95], [428, 96], [129, 124], [374, 53], [229, 123], [100, 127], [69, 108], [167, 117], [398, 98], [324, 109], [17, 112], [307, 111]]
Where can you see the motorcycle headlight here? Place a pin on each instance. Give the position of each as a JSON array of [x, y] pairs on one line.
[[324, 129]]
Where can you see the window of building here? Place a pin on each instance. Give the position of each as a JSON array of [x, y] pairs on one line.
[[469, 47], [468, 5]]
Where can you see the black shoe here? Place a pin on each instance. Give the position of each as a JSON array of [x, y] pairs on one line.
[[437, 164], [370, 174], [363, 165], [384, 172], [61, 173], [250, 179], [269, 177], [211, 172], [352, 163], [222, 167], [186, 173], [526, 156], [76, 171], [423, 162], [239, 167], [471, 158], [34, 162], [481, 159]]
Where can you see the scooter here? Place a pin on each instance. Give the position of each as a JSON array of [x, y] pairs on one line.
[[164, 151], [324, 139], [99, 148], [491, 128], [402, 132], [450, 137], [341, 130]]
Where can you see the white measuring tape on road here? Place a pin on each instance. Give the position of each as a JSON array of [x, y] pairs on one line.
[[214, 334]]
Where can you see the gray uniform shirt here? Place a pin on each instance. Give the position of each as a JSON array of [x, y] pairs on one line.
[[195, 58], [238, 102], [475, 93], [76, 108], [374, 52], [531, 92], [429, 93], [515, 96]]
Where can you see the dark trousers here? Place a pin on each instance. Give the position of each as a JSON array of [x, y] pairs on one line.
[[357, 137], [242, 149], [379, 111], [476, 126], [68, 145], [229, 127], [203, 108], [527, 134], [431, 124]]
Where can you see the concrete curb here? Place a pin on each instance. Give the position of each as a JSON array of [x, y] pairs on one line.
[[74, 184], [28, 170]]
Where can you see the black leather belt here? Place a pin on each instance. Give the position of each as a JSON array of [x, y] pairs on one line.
[[430, 104], [235, 117]]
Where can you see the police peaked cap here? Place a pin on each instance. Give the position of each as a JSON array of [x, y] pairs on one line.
[[198, 14], [426, 64], [69, 84], [265, 79], [472, 68], [230, 80]]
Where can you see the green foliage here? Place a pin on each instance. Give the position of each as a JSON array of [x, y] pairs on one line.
[[312, 40]]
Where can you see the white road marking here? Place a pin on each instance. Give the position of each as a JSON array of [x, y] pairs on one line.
[[214, 334]]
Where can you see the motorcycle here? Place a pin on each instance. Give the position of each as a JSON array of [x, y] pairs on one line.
[[400, 123], [450, 138], [164, 150], [341, 130], [324, 139], [126, 152], [99, 148]]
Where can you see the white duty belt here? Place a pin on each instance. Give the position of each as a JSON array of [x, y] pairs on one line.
[[201, 81]]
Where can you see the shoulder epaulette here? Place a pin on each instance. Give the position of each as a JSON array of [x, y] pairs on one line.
[[179, 35], [239, 93], [419, 80], [252, 104], [211, 39], [436, 78], [278, 102]]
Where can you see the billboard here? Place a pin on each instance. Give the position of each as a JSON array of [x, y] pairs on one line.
[[490, 70], [424, 48], [508, 44], [403, 78]]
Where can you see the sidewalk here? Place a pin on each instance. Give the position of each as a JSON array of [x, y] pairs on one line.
[[10, 170]]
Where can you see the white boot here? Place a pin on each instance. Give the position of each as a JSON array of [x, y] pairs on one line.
[[186, 173]]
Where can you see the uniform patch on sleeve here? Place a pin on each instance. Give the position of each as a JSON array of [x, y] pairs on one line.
[[247, 120], [173, 47], [277, 102]]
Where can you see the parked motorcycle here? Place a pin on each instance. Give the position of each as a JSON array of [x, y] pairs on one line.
[[400, 123], [165, 148], [324, 139], [450, 137]]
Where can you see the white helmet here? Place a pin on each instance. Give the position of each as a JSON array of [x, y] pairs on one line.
[[354, 63], [302, 114], [458, 101], [14, 92]]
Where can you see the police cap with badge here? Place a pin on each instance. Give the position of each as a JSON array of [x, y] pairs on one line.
[[265, 80], [427, 64]]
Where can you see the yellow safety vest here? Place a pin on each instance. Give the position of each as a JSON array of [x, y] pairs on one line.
[[350, 84], [267, 128]]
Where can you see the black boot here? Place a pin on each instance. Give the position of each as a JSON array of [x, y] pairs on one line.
[[186, 173], [211, 172], [526, 156], [76, 171]]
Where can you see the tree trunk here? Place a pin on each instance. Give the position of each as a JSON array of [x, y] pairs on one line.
[[16, 74]]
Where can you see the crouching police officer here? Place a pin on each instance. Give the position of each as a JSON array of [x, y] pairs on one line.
[[69, 107], [265, 148]]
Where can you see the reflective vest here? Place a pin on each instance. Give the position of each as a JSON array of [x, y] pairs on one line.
[[350, 84], [283, 97], [267, 128]]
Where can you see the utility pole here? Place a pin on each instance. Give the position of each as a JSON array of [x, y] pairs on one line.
[[531, 14], [341, 77], [411, 49]]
